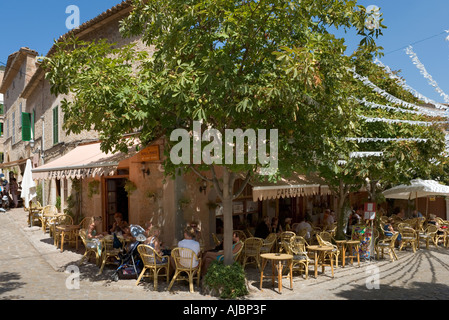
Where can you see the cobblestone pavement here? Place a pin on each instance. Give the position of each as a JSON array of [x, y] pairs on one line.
[[32, 268]]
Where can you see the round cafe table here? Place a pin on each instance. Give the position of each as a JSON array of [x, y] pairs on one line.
[[276, 263], [320, 252]]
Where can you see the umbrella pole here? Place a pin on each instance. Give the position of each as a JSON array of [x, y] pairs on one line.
[[427, 207]]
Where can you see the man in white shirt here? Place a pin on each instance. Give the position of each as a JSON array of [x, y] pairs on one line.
[[304, 225]]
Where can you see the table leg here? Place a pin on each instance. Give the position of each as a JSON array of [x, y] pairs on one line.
[[358, 254], [291, 274], [264, 263], [279, 267], [272, 273], [332, 266], [343, 249], [316, 264]]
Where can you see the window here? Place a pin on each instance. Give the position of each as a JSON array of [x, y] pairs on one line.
[[1, 108], [13, 128], [55, 126], [26, 126]]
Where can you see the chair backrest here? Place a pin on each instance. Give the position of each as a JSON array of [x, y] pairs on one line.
[[239, 252], [64, 219], [184, 258], [50, 210], [149, 256], [393, 239], [326, 236], [241, 234], [286, 235], [431, 229], [216, 240], [85, 223], [252, 246], [299, 244]]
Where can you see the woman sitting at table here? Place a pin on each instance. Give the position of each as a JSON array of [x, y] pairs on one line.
[[154, 242], [217, 256], [120, 227]]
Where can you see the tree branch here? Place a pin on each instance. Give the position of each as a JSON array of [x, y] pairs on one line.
[[242, 187]]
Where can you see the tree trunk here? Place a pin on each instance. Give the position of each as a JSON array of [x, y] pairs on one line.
[[344, 211], [228, 184]]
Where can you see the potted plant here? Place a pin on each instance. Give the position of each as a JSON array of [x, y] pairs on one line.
[[130, 187]]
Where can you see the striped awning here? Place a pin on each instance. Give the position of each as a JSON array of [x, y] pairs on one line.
[[82, 162], [295, 186]]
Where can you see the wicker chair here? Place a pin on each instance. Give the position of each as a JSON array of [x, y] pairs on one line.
[[186, 261], [64, 219], [48, 216], [108, 251], [251, 252], [216, 240], [301, 261], [268, 243], [241, 234], [237, 255], [409, 237], [330, 254], [34, 212], [387, 244], [430, 234], [90, 246], [153, 262], [326, 236], [285, 236]]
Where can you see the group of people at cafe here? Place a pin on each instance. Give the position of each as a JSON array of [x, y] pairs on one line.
[[191, 240]]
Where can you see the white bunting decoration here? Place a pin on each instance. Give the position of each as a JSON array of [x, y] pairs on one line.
[[409, 51], [420, 123], [406, 87], [422, 111], [385, 139], [365, 154], [383, 93]]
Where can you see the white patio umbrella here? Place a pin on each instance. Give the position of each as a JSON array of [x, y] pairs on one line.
[[28, 185], [417, 189]]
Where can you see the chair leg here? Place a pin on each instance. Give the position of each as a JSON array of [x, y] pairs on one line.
[[141, 275], [173, 280], [191, 282], [155, 276]]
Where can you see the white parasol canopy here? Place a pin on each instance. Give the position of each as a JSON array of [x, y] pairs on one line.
[[28, 185], [417, 189]]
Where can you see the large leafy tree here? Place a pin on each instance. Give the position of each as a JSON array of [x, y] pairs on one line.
[[231, 65], [393, 162]]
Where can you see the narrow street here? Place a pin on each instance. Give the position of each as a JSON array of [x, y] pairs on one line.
[[32, 268]]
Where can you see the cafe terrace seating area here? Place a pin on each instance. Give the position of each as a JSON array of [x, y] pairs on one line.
[[289, 254]]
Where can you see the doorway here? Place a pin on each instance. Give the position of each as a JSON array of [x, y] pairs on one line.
[[116, 200]]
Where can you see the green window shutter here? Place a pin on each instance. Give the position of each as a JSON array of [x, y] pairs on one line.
[[55, 126], [26, 126]]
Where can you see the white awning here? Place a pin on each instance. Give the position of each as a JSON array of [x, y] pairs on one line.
[[84, 161], [296, 186]]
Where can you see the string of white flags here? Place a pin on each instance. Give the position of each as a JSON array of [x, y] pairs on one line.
[[361, 140], [409, 51], [385, 94], [408, 88], [412, 122], [373, 105]]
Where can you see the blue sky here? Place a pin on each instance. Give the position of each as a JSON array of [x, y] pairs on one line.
[[35, 24]]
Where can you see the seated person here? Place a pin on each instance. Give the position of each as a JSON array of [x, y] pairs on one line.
[[120, 227], [217, 256], [303, 225], [190, 242], [154, 242], [263, 228], [389, 230]]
